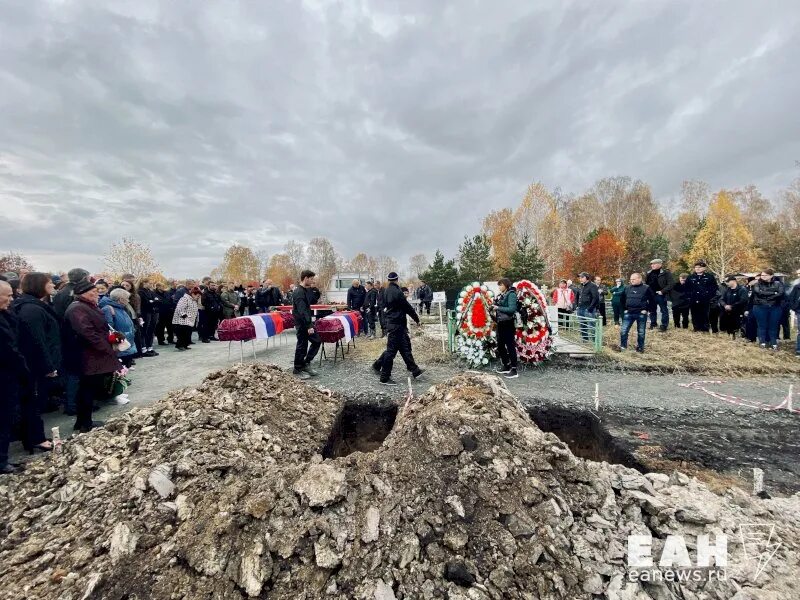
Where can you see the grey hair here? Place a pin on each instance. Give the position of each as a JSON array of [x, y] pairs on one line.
[[119, 294]]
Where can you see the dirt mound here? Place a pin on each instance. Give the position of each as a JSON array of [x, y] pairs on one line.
[[222, 492]]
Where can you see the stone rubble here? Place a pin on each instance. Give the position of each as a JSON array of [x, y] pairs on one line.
[[221, 492]]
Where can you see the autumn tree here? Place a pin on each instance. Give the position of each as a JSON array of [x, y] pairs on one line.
[[240, 263], [416, 265], [362, 264], [756, 212], [385, 265], [641, 249], [724, 242], [441, 274], [16, 263], [128, 256], [296, 253], [601, 254], [525, 262], [498, 227], [282, 271], [475, 259], [322, 259]]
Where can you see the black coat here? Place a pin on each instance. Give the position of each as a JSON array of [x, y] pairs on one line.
[[701, 289], [678, 296], [39, 335], [148, 302], [768, 294], [589, 297], [371, 300], [794, 298], [396, 308], [164, 300], [13, 368], [425, 293], [737, 299], [212, 302], [356, 297], [660, 281], [301, 308], [62, 300], [266, 297]]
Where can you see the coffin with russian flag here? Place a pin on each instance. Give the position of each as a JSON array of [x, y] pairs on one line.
[[253, 327]]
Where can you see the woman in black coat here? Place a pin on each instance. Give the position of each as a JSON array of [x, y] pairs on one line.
[[40, 344]]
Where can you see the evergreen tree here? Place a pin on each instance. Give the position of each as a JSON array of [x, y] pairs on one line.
[[475, 259], [442, 274], [526, 263]]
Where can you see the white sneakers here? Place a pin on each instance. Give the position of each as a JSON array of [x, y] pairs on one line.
[[121, 400]]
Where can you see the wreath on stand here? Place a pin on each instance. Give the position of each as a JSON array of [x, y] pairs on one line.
[[475, 335], [534, 339]]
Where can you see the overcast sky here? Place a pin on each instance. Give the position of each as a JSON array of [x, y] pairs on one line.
[[389, 127]]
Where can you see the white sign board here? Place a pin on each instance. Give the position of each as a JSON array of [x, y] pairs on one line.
[[439, 297]]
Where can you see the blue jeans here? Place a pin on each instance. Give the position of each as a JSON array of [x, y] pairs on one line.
[[628, 318], [768, 319], [71, 385], [660, 304], [587, 329]]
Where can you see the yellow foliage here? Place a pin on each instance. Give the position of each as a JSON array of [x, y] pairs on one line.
[[239, 264], [498, 227], [724, 242]]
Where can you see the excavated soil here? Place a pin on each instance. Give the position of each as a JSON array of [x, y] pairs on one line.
[[255, 485]]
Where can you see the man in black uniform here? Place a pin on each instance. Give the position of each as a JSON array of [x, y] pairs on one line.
[[396, 308], [356, 298], [661, 281], [701, 288], [370, 307], [304, 326], [381, 306]]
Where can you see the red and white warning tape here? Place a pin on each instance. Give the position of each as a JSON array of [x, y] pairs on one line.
[[786, 404]]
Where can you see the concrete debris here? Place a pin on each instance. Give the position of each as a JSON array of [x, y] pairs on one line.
[[221, 492]]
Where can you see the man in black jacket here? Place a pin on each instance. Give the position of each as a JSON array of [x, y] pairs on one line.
[[661, 281], [166, 310], [425, 295], [637, 299], [63, 297], [370, 308], [212, 308], [588, 303], [732, 305], [701, 287], [680, 302], [356, 297], [304, 326], [13, 373], [794, 304], [396, 310]]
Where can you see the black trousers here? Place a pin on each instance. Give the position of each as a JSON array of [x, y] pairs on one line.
[[507, 343], [92, 387], [369, 321], [149, 328], [714, 312], [307, 347], [602, 308], [9, 401], [680, 316], [382, 320], [33, 402], [785, 328], [617, 308], [208, 328], [183, 333], [164, 327], [426, 306], [730, 322], [699, 312], [398, 340]]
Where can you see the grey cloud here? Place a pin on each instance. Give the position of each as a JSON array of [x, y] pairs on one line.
[[389, 128]]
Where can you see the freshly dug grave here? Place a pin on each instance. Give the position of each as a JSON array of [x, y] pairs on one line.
[[222, 492]]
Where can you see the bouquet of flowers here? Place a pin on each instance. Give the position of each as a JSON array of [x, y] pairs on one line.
[[475, 337], [118, 341], [534, 341]]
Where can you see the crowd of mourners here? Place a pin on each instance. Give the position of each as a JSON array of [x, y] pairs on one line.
[[67, 343], [755, 307]]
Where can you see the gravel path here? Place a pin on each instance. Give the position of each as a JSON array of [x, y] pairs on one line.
[[686, 424]]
